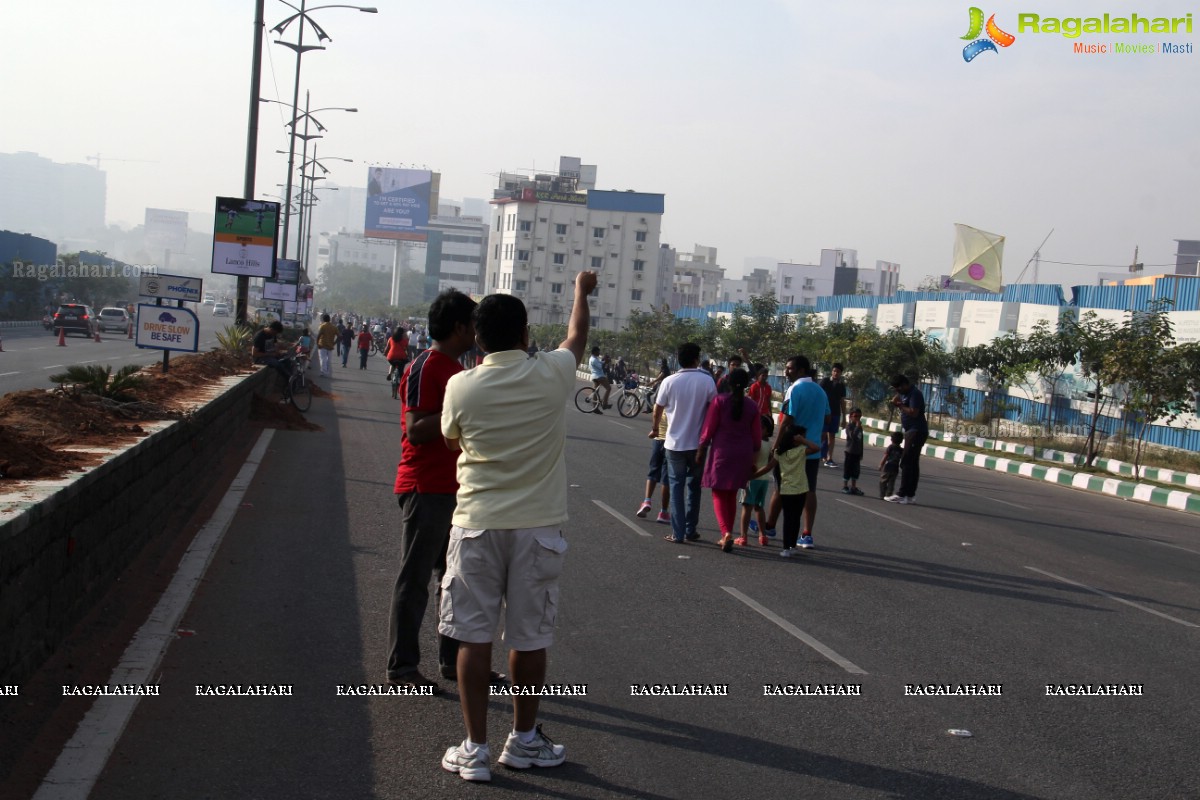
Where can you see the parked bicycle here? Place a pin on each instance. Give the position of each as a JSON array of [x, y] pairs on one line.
[[297, 390]]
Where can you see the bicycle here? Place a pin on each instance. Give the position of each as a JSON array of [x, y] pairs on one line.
[[635, 399], [296, 390]]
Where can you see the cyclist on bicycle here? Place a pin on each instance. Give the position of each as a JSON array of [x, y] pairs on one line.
[[266, 350], [600, 378], [397, 352]]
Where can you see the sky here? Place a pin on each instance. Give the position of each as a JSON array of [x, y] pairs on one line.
[[773, 127]]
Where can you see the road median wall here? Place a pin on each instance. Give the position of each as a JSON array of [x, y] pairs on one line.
[[60, 555]]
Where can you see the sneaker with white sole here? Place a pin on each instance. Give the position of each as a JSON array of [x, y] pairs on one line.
[[787, 552], [663, 518], [753, 526], [909, 501], [806, 542], [468, 766], [894, 498], [643, 510], [541, 752]]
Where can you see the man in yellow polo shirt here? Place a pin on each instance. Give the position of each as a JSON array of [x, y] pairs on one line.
[[506, 543]]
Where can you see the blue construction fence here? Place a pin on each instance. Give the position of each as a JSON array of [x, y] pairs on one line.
[[1063, 416]]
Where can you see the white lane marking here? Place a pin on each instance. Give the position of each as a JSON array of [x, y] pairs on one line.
[[6, 374], [842, 662], [56, 366], [1177, 547], [878, 514], [83, 758], [622, 424], [619, 516], [1103, 593], [985, 497]]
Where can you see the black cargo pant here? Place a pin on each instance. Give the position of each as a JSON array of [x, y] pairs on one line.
[[910, 462], [424, 537]]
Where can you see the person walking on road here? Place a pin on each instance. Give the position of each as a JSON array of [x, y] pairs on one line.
[[347, 343], [506, 544], [889, 466], [684, 397], [326, 340], [730, 437], [426, 485], [835, 392], [852, 458], [911, 404], [806, 407], [364, 346]]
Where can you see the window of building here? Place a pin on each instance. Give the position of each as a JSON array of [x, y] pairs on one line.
[[639, 265], [641, 236], [541, 219], [496, 253], [597, 262], [520, 286], [526, 224], [616, 227], [556, 288], [578, 252], [560, 258], [579, 223], [522, 255], [636, 295], [808, 283], [560, 229], [598, 233], [787, 282], [787, 299], [498, 219]]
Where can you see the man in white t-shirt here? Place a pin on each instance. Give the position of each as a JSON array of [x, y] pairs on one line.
[[684, 397], [506, 543], [599, 378]]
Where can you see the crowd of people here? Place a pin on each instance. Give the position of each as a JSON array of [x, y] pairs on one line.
[[713, 429]]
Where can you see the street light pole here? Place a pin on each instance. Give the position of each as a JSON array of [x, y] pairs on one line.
[[302, 14], [243, 282]]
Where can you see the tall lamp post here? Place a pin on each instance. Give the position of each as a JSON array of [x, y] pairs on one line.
[[303, 15], [301, 247]]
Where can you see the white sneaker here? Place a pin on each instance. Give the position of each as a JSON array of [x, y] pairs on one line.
[[541, 752], [472, 767], [911, 501], [787, 552], [895, 498]]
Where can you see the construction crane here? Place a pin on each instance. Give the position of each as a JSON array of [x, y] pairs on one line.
[[98, 159]]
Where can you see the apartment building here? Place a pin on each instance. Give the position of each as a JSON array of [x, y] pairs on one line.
[[548, 228]]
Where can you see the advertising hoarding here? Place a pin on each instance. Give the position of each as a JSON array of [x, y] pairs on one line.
[[244, 237], [171, 287], [287, 270], [274, 290], [398, 203], [166, 230]]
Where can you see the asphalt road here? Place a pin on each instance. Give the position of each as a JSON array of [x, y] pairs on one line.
[[991, 579], [32, 355]]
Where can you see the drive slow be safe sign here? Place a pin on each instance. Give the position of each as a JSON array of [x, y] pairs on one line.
[[165, 328]]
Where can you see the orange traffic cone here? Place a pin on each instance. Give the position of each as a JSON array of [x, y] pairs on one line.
[[62, 337]]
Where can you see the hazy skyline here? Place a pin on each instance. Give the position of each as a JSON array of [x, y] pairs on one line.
[[773, 128]]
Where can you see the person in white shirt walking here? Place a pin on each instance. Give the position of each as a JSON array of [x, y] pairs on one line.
[[684, 397]]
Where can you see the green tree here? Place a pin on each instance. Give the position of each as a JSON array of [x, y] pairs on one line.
[[1092, 338]]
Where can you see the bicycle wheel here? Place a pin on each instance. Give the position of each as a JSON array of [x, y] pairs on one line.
[[395, 389], [629, 404], [301, 394], [585, 399]]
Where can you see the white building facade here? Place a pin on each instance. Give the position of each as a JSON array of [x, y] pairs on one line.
[[541, 237]]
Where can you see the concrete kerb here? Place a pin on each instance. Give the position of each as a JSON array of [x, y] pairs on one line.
[[1154, 495]]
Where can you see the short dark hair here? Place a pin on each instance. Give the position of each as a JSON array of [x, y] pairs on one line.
[[897, 437], [689, 354], [854, 411], [500, 321], [803, 365], [595, 351], [448, 309], [276, 325], [324, 318], [838, 365], [733, 358], [898, 381]]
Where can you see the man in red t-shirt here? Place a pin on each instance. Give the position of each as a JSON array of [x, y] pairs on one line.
[[760, 392], [426, 485]]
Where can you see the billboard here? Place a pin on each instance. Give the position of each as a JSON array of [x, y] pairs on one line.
[[274, 290], [167, 328], [287, 270], [244, 237], [398, 203], [166, 230]]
